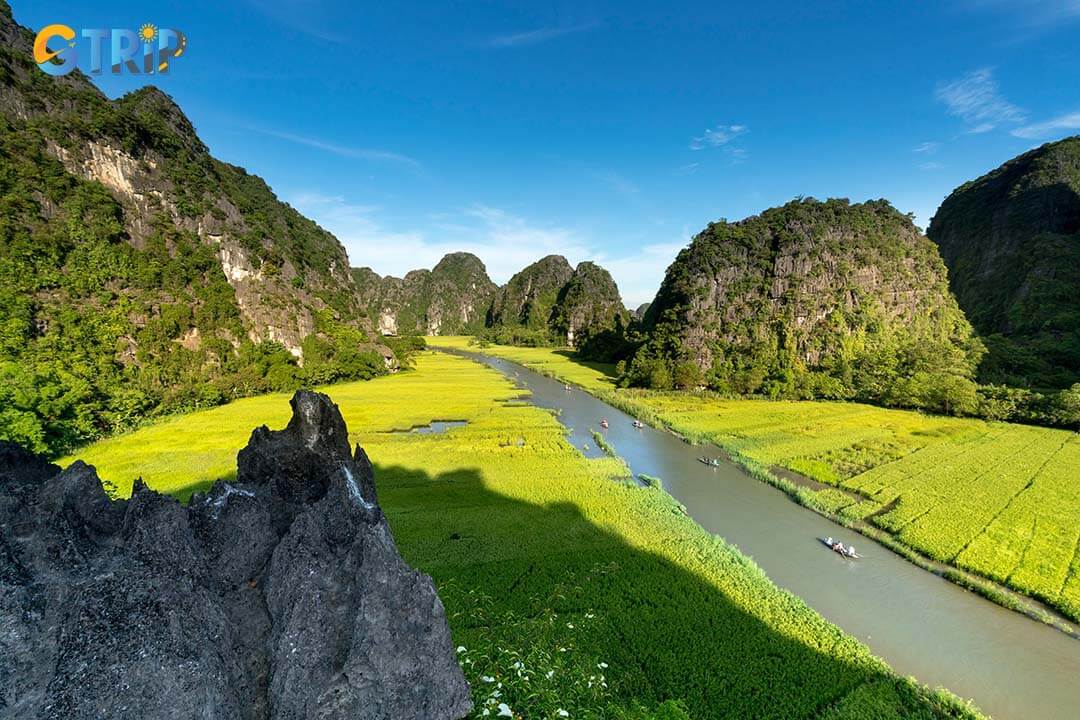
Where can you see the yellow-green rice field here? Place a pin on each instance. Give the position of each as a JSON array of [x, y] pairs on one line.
[[566, 588], [998, 499]]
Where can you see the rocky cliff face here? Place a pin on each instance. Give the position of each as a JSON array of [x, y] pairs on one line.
[[139, 275], [529, 298], [458, 294], [807, 285], [450, 299], [589, 304], [279, 595], [1011, 240], [282, 267]]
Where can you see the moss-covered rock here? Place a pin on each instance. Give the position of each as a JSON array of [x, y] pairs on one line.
[[1011, 240], [812, 298]]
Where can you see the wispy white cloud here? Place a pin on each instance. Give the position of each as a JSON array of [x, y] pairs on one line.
[[931, 165], [1037, 131], [537, 35], [355, 153], [928, 148], [717, 136], [506, 242], [975, 99]]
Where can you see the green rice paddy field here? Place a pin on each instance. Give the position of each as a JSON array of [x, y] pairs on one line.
[[566, 588], [998, 499]]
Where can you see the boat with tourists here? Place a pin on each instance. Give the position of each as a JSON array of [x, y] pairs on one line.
[[838, 547], [711, 462]]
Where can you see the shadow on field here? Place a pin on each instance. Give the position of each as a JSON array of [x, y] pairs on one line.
[[665, 632], [606, 368]]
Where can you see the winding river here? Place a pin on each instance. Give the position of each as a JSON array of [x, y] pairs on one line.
[[1011, 666]]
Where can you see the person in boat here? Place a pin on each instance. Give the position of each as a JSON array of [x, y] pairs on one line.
[[851, 550], [829, 541]]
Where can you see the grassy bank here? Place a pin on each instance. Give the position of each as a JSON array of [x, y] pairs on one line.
[[567, 588], [993, 500]]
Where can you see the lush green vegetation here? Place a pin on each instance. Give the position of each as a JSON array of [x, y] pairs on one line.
[[566, 587], [452, 297], [96, 335], [100, 330], [1011, 240], [812, 300], [1000, 500]]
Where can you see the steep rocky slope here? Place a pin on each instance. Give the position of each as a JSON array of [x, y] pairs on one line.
[[146, 152], [138, 274], [450, 299], [528, 298], [548, 302], [827, 297], [1011, 240], [279, 595], [588, 304]]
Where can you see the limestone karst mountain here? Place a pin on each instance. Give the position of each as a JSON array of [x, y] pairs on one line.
[[1011, 241], [838, 299], [548, 302], [450, 299], [139, 274]]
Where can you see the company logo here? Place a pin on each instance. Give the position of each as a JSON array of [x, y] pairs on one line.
[[146, 51]]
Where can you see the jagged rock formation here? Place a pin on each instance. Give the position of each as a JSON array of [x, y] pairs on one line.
[[811, 286], [450, 299], [589, 304], [1011, 240], [279, 595], [639, 313], [529, 298]]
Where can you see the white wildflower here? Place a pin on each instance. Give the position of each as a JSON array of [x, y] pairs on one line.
[[461, 648], [602, 666], [562, 713], [505, 711], [487, 679]]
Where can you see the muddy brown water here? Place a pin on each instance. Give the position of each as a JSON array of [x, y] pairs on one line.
[[1011, 666]]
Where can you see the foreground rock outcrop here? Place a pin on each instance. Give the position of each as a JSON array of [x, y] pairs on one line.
[[279, 595]]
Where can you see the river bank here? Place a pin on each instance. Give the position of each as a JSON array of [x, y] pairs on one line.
[[805, 490], [565, 586], [933, 630]]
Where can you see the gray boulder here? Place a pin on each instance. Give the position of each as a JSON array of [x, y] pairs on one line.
[[279, 595]]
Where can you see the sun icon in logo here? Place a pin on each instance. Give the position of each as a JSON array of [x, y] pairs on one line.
[[148, 32]]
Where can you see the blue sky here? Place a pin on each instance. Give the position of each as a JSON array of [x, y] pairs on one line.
[[611, 131]]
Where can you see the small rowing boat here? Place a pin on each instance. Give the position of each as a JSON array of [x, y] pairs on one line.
[[711, 462], [838, 547]]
